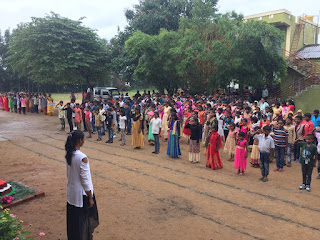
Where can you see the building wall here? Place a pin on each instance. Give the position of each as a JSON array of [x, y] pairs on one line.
[[287, 23], [309, 100], [286, 85]]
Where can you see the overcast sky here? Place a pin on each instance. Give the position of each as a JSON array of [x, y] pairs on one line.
[[106, 15]]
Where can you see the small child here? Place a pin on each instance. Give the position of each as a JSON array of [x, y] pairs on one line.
[[308, 124], [213, 154], [308, 159], [88, 121], [281, 141], [240, 158], [62, 115], [109, 123], [123, 126], [98, 118], [244, 128], [156, 126], [266, 148], [264, 121], [230, 146], [291, 137], [255, 153], [194, 145], [77, 116]]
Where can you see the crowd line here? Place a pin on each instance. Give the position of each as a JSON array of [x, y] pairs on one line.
[[216, 122]]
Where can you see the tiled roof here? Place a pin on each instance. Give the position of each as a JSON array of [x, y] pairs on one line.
[[310, 51]]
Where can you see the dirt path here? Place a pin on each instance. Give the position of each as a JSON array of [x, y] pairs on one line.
[[143, 196]]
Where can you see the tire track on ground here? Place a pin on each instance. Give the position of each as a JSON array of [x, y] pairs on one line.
[[198, 192], [194, 213]]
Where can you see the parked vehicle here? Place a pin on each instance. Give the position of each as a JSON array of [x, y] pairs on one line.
[[105, 92]]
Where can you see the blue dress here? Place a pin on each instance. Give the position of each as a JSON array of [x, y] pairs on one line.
[[173, 141]]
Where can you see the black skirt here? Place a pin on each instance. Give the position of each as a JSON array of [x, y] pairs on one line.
[[81, 222]]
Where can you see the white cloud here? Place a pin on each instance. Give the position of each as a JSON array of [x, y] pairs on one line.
[[106, 15]]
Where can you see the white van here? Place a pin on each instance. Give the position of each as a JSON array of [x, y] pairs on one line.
[[105, 92]]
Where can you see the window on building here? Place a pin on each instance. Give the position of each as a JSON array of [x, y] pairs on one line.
[[271, 16]]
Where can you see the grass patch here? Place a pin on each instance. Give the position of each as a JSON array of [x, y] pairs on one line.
[[21, 190]]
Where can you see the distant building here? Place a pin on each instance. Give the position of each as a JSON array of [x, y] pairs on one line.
[[300, 48]]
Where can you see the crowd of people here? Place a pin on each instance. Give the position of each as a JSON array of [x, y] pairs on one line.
[[213, 123]]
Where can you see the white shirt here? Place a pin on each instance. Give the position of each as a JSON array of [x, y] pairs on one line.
[[101, 112], [122, 122], [79, 179], [156, 125], [265, 143]]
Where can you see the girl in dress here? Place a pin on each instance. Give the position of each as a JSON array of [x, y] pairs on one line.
[[149, 115], [255, 153], [173, 142], [213, 154], [240, 157], [220, 116], [187, 132], [230, 146], [137, 136], [244, 128]]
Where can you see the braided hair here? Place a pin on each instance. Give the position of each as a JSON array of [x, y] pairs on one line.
[[71, 143]]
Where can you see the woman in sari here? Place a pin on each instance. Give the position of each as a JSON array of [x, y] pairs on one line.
[[137, 136], [173, 142], [50, 103], [10, 98], [164, 127], [5, 102]]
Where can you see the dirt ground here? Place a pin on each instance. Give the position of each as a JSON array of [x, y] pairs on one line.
[[145, 196]]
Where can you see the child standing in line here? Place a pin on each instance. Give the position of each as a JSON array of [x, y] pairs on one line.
[[308, 124], [109, 123], [213, 154], [156, 126], [98, 120], [69, 111], [173, 149], [291, 137], [281, 142], [240, 158], [23, 104], [244, 128], [266, 148], [88, 121], [308, 159], [264, 121], [219, 116], [62, 115], [123, 126], [77, 116], [230, 146], [194, 145], [255, 153]]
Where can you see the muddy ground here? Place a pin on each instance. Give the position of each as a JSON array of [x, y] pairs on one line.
[[146, 196]]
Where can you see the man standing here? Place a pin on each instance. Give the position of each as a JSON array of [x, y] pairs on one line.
[[263, 105], [315, 119], [265, 92]]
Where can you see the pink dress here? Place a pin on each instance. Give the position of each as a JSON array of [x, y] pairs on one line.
[[78, 115], [240, 160]]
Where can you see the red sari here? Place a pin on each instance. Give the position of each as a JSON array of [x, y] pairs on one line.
[[6, 103], [213, 157], [1, 102]]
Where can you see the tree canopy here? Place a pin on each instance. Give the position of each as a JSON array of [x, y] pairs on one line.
[[58, 49]]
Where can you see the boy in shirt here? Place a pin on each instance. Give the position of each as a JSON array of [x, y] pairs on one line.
[[308, 159], [122, 126], [98, 118], [156, 126], [109, 123], [281, 144], [308, 124], [61, 115], [266, 148]]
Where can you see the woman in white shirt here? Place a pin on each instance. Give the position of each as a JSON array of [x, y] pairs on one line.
[[82, 213]]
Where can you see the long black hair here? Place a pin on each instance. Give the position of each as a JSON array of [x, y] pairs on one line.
[[71, 143]]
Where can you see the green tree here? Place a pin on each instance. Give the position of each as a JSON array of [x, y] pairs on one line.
[[156, 62], [58, 50], [150, 16]]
